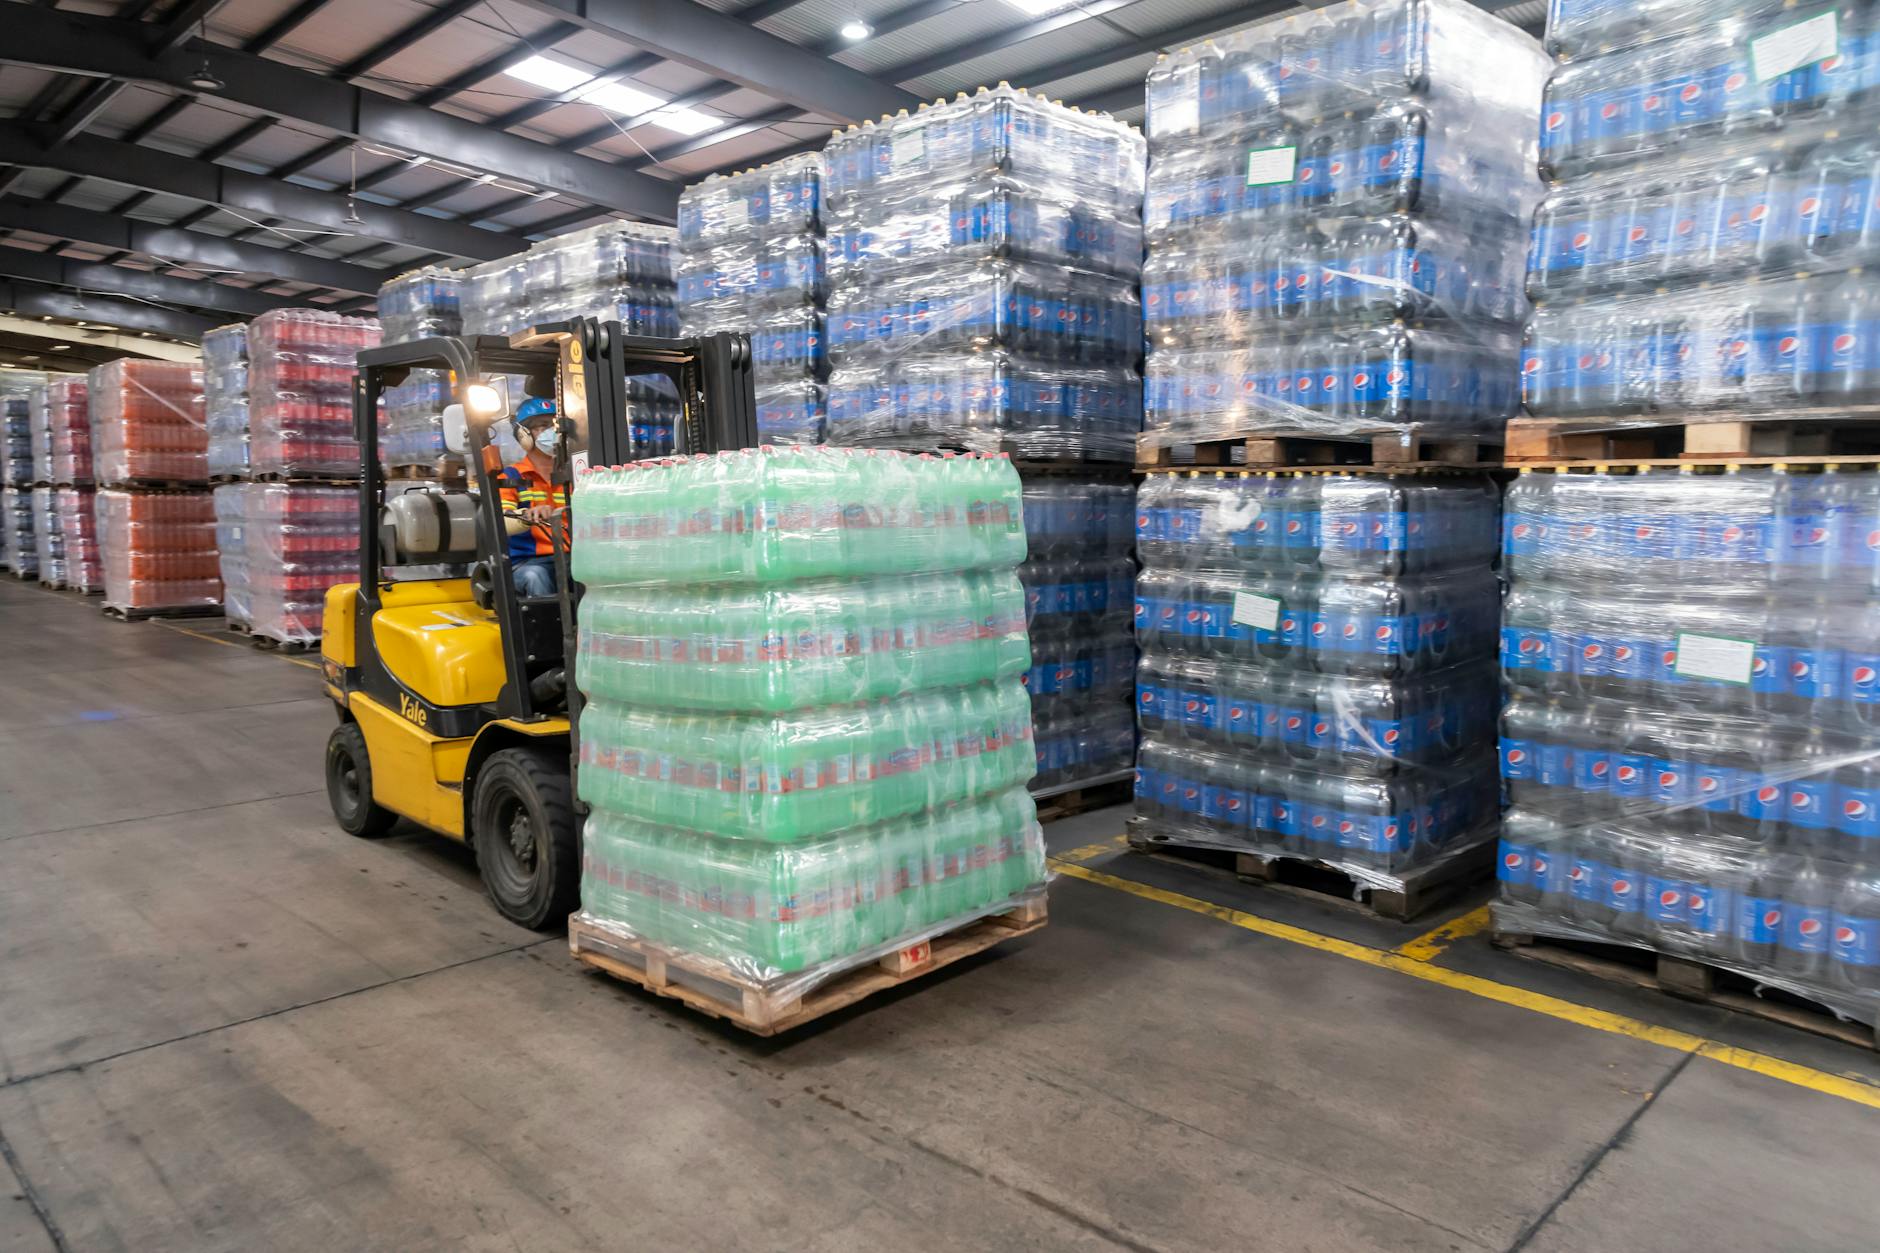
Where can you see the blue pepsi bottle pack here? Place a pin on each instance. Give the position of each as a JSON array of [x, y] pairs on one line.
[[1709, 242], [1336, 202], [1318, 675], [421, 303], [752, 259], [1697, 773], [983, 260]]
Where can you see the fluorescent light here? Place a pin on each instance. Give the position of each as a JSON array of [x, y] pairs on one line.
[[1038, 8], [622, 99], [557, 76], [685, 121], [855, 28]]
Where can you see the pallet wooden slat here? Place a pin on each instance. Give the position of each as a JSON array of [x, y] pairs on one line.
[[712, 988], [123, 614], [1842, 435], [1082, 800], [1288, 449]]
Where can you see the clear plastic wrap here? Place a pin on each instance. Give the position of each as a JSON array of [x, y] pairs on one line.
[[421, 304], [301, 367], [147, 423], [1578, 28], [231, 545], [48, 537], [617, 271], [159, 548], [769, 515], [16, 426], [39, 434], [68, 422], [805, 735], [1317, 676], [78, 538], [781, 198], [1697, 772], [300, 539], [494, 300], [983, 258], [225, 399], [1336, 205], [19, 551]]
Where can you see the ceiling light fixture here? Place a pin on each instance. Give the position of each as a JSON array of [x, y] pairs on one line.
[[203, 78], [556, 76], [683, 120], [622, 99], [60, 348], [1040, 8], [855, 28]]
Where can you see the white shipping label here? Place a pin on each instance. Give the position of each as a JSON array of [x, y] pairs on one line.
[[907, 147], [1271, 165], [1715, 657], [1259, 612], [578, 462], [1792, 47]]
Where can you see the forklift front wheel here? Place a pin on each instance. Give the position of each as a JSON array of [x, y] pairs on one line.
[[528, 850], [349, 784]]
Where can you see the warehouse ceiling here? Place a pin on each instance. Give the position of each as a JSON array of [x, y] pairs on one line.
[[168, 165]]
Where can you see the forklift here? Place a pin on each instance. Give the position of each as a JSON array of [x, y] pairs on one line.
[[457, 706]]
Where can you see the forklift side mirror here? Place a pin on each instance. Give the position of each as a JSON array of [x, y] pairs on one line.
[[455, 438]]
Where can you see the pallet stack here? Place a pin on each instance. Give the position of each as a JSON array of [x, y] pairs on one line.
[[225, 406], [419, 305], [18, 550], [751, 260], [1690, 746], [1338, 205], [66, 422], [156, 518], [769, 820]]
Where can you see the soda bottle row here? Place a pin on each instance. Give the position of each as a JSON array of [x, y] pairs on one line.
[[306, 352], [1322, 62], [567, 270], [303, 434], [771, 910], [1738, 209], [16, 437], [1360, 381], [780, 198], [1068, 516], [747, 275], [68, 422], [1340, 723], [1749, 347], [1766, 781], [1352, 523], [158, 547], [75, 509], [421, 304], [147, 422], [39, 422], [1048, 313], [48, 536], [1087, 157], [1404, 157], [1079, 741], [232, 551], [1199, 293], [792, 412], [1080, 669], [988, 217], [766, 515], [1811, 924], [800, 645], [1578, 28], [300, 540], [1361, 823], [19, 549], [225, 399], [1741, 531], [1717, 81], [1328, 622], [1070, 595], [998, 399]]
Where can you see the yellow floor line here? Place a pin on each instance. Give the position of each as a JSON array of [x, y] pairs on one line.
[[183, 630], [1090, 852], [1431, 943], [1847, 1087]]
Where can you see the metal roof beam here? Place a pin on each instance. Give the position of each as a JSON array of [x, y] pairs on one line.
[[37, 301], [77, 43], [719, 43], [493, 66], [251, 194], [425, 26], [283, 26], [183, 247], [919, 67], [51, 270]]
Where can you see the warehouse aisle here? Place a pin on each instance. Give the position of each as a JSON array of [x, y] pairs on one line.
[[226, 1026]]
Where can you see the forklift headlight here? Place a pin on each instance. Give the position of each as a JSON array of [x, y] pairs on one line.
[[483, 402]]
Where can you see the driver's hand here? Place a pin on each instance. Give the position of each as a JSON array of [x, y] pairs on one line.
[[541, 513]]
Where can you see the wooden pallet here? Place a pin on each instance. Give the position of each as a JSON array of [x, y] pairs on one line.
[[1837, 435], [156, 485], [268, 644], [52, 585], [1687, 979], [447, 472], [712, 988], [223, 480], [1285, 449], [1067, 802], [144, 615], [307, 480], [1420, 890]]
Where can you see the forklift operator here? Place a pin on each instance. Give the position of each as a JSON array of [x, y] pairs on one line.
[[525, 489]]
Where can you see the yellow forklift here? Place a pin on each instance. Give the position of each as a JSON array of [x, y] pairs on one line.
[[456, 704]]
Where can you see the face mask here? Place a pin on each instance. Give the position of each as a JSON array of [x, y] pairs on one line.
[[546, 441]]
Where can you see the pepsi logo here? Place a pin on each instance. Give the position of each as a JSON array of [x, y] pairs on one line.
[[1586, 361], [1541, 865], [1383, 632], [1708, 783], [1581, 240], [1635, 235], [1522, 530], [1305, 175], [1810, 206], [1147, 698], [1787, 345], [1318, 628], [1864, 676], [1395, 376], [1556, 120], [1189, 793], [1736, 81], [1579, 873], [1697, 903], [1361, 379], [1799, 669], [1690, 92], [1772, 918], [1329, 382], [1282, 813], [1531, 366], [1609, 110], [1801, 800], [1768, 795], [1347, 528], [1854, 808], [1622, 886], [1387, 161], [1686, 226], [1591, 652], [1350, 631], [1737, 348], [1531, 645], [1289, 624], [1516, 756], [1758, 212], [1293, 723], [1320, 728], [1234, 802], [1338, 167], [1844, 344], [1628, 774], [1344, 826], [1654, 102], [1318, 820], [1512, 860], [1622, 653], [1810, 927], [1845, 936], [1390, 831], [1390, 737], [1293, 526], [1667, 779], [1758, 667], [1731, 534], [1670, 898]]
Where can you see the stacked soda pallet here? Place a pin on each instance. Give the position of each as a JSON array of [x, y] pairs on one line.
[[18, 551], [1700, 264], [225, 401], [155, 516], [301, 364], [1338, 204], [65, 417], [751, 260], [422, 304], [1318, 675], [291, 542], [617, 272], [801, 823]]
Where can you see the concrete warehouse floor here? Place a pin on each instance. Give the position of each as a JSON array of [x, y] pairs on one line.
[[225, 1025]]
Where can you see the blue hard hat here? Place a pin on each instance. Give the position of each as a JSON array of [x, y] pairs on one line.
[[535, 407]]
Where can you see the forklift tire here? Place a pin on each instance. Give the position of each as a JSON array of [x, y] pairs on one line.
[[349, 785], [522, 827]]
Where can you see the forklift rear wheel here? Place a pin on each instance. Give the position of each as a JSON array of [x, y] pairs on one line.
[[528, 850], [349, 784]]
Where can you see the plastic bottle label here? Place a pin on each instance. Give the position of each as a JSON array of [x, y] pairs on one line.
[[1259, 612], [1759, 920], [1715, 657], [1796, 45], [1516, 864], [1268, 166], [1804, 928], [1856, 941]]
